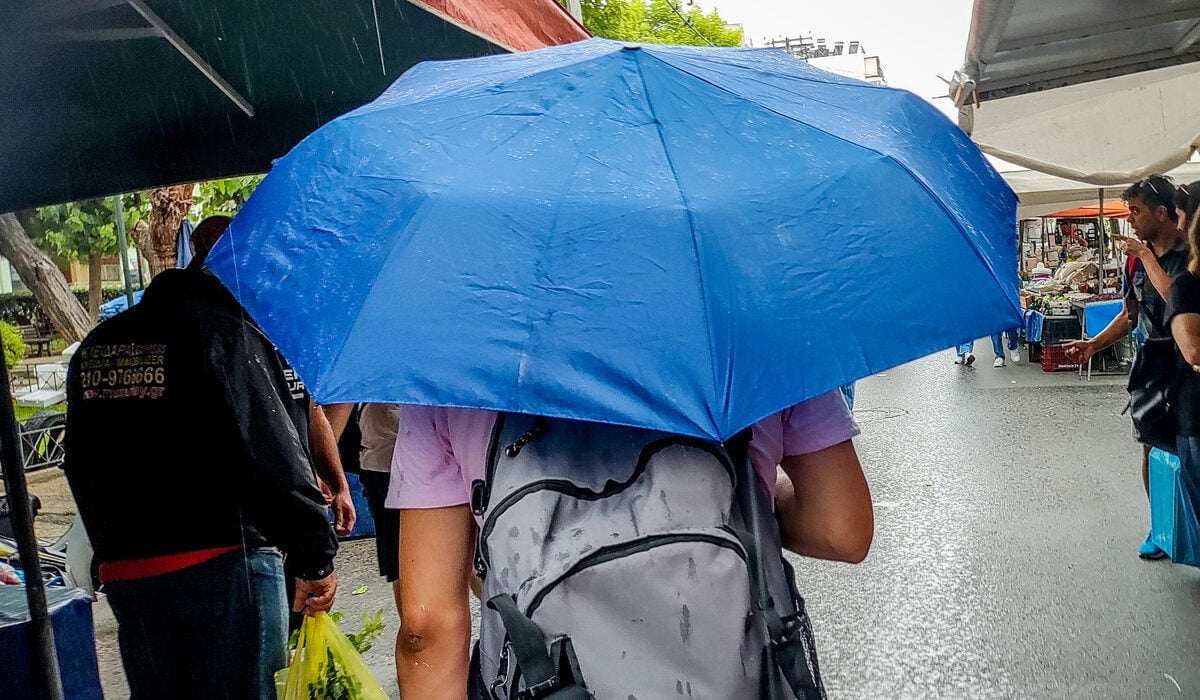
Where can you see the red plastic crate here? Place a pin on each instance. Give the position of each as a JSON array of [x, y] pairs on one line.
[[1054, 359]]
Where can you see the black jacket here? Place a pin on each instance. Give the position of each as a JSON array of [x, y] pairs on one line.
[[180, 433]]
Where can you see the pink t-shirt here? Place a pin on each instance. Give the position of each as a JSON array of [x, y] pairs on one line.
[[440, 451]]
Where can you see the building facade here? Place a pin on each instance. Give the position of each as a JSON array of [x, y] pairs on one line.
[[848, 58]]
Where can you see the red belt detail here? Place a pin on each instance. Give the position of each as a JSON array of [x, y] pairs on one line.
[[130, 569]]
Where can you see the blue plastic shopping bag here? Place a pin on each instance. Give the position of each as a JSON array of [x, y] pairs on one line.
[[1173, 524]]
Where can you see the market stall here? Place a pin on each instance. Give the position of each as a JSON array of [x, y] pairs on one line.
[[1072, 302], [1082, 234]]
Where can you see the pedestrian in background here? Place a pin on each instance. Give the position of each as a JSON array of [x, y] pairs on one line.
[[964, 354], [1161, 254], [1014, 347]]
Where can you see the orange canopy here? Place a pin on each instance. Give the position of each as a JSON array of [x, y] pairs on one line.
[[1115, 209]]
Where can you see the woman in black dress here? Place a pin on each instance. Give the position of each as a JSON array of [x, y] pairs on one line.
[[1183, 318]]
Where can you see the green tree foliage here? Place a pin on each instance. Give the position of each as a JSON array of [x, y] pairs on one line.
[[83, 229], [222, 196], [658, 22], [86, 231]]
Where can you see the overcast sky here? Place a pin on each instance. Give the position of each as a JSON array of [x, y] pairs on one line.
[[915, 40]]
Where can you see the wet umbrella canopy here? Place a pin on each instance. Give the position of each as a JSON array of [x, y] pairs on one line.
[[676, 238], [106, 96]]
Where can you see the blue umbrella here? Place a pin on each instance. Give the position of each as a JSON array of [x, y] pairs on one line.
[[116, 305], [686, 239]]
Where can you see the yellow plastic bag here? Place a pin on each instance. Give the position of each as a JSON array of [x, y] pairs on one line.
[[326, 666]]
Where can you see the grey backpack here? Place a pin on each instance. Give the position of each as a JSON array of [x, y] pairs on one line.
[[621, 563]]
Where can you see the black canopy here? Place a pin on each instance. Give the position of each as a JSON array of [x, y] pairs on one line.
[[105, 96]]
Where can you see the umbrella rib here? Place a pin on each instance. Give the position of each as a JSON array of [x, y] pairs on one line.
[[920, 180], [692, 230]]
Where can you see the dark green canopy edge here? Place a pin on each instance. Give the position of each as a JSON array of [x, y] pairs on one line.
[[89, 114]]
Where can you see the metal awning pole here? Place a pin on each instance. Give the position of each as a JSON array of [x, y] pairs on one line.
[[123, 249], [192, 56], [137, 261], [1045, 242], [1101, 235], [43, 659]]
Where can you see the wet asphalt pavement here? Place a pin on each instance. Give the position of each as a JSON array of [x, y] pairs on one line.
[[1009, 507]]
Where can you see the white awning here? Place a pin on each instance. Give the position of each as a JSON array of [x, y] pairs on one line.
[[1040, 194], [1099, 91]]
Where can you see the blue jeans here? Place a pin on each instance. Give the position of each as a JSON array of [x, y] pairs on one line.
[[965, 348], [213, 630], [1014, 336], [848, 394]]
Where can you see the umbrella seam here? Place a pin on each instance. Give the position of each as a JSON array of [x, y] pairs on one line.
[[920, 180], [692, 229]]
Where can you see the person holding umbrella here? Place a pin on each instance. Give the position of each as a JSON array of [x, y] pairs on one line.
[[611, 234], [822, 502]]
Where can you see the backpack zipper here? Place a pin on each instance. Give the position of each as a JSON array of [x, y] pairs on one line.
[[644, 544], [570, 488], [481, 490]]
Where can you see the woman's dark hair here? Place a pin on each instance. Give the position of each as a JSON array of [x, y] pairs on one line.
[[1156, 191], [1185, 200], [1189, 204]]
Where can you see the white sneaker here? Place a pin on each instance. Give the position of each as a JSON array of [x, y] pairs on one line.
[[960, 359], [999, 362], [1015, 356]]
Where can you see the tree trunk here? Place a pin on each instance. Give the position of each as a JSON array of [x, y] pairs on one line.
[[44, 279], [95, 285], [156, 240]]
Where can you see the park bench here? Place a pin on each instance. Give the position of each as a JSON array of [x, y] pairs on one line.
[[38, 341]]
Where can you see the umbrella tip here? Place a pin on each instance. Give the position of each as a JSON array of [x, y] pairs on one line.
[[631, 47]]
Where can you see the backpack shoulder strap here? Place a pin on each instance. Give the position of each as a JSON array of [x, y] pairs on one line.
[[1131, 267], [545, 678], [1155, 320]]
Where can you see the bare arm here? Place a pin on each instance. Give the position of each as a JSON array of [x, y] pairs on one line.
[[1081, 350], [1185, 328], [328, 464], [824, 505], [1158, 276], [433, 647], [338, 414]]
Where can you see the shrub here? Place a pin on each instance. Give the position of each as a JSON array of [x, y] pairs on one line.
[[22, 309], [14, 346]]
